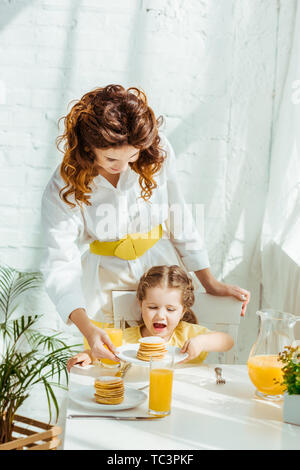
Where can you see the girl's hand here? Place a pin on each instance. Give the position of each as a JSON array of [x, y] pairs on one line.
[[193, 346], [214, 287], [83, 358], [98, 339]]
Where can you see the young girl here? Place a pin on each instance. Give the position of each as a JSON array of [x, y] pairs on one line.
[[165, 295]]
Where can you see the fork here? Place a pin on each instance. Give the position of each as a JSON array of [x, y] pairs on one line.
[[124, 370], [220, 379]]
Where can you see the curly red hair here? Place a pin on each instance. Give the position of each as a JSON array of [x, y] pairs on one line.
[[103, 118]]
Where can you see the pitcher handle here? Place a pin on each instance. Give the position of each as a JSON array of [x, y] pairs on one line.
[[296, 342]]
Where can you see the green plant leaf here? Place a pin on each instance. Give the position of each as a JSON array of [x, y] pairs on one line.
[[13, 283], [290, 370], [30, 357]]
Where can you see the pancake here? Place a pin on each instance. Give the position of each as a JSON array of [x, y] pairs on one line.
[[151, 346], [109, 390]]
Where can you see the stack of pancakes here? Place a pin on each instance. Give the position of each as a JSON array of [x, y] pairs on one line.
[[151, 346], [109, 390]]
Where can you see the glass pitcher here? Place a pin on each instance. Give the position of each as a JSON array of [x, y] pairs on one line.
[[276, 330]]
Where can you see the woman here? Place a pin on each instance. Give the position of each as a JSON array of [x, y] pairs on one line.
[[115, 190]]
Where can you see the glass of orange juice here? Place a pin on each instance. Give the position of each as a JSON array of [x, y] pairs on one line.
[[161, 384]]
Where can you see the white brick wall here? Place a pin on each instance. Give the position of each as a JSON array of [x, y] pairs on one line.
[[208, 66]]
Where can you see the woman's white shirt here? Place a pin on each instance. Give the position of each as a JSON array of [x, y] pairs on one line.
[[70, 270]]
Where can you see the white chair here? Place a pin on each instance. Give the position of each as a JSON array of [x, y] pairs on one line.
[[216, 313]]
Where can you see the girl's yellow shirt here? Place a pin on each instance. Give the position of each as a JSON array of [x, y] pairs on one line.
[[181, 334]]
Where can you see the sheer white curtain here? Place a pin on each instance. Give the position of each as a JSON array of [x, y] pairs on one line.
[[280, 242]]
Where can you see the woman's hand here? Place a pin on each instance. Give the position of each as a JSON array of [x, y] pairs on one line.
[[96, 337], [214, 287], [219, 288], [100, 344]]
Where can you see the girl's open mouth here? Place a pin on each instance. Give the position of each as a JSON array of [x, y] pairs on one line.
[[159, 326]]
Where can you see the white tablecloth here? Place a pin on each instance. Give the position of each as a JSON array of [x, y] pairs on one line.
[[204, 416]]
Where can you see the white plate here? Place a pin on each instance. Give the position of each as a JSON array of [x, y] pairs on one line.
[[84, 396], [136, 377], [127, 352]]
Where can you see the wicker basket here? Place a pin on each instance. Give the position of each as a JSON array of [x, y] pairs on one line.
[[35, 439]]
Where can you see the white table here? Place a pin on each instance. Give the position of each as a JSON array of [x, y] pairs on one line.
[[204, 416]]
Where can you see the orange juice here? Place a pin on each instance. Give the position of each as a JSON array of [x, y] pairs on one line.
[[160, 395], [262, 370]]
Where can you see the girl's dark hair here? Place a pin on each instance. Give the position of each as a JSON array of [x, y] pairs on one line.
[[170, 277], [103, 118]]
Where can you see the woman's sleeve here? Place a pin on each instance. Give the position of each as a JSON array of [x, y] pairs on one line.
[[61, 264], [183, 231]]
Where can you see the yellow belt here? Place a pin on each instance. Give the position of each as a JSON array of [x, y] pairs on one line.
[[130, 247]]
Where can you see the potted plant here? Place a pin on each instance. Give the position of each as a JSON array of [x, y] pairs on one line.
[[27, 357], [290, 357]]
